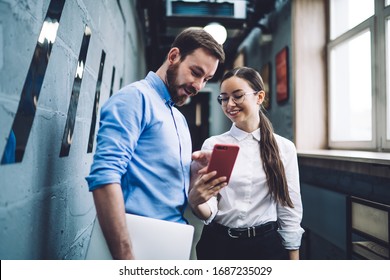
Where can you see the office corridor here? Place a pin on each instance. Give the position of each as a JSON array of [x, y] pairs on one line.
[[61, 60]]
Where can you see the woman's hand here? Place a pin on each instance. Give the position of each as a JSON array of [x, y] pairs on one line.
[[202, 189]]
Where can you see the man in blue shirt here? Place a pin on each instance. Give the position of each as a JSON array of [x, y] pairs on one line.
[[142, 160]]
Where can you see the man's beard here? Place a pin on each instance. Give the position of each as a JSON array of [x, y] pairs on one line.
[[173, 87]]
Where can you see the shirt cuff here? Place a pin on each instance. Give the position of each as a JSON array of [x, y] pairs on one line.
[[212, 203], [95, 181], [291, 239]]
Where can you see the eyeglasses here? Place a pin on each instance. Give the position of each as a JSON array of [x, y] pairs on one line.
[[237, 99]]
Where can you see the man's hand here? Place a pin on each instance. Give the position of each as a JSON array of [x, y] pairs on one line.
[[200, 160]]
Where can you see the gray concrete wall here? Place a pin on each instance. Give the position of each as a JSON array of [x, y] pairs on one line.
[[46, 210]]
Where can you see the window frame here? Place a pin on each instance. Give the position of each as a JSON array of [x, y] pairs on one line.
[[376, 24], [386, 70]]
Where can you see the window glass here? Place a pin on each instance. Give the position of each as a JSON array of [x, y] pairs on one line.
[[351, 103], [346, 14]]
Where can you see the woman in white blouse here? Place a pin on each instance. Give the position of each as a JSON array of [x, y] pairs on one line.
[[258, 215]]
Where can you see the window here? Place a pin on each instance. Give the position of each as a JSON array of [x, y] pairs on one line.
[[358, 84], [351, 107], [388, 75], [347, 14]]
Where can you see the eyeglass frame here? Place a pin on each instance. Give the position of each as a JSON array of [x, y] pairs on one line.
[[225, 101]]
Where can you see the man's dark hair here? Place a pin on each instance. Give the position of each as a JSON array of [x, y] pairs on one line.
[[191, 39]]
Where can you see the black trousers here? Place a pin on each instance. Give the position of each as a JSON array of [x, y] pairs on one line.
[[214, 245]]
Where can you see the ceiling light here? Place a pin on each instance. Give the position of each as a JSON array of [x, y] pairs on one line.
[[218, 32]]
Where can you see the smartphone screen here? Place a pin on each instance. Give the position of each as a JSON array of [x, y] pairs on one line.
[[222, 160]]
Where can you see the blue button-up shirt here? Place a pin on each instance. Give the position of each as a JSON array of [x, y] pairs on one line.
[[144, 144]]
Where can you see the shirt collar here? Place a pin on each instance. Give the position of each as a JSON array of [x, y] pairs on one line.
[[155, 81], [241, 135]]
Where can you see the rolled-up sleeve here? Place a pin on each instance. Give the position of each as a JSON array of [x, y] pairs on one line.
[[290, 218], [120, 126]]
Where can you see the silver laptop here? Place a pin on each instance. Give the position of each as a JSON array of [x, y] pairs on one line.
[[152, 239]]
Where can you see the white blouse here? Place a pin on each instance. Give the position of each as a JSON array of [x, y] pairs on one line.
[[245, 202]]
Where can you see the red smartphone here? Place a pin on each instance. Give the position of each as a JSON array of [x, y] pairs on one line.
[[222, 160]]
